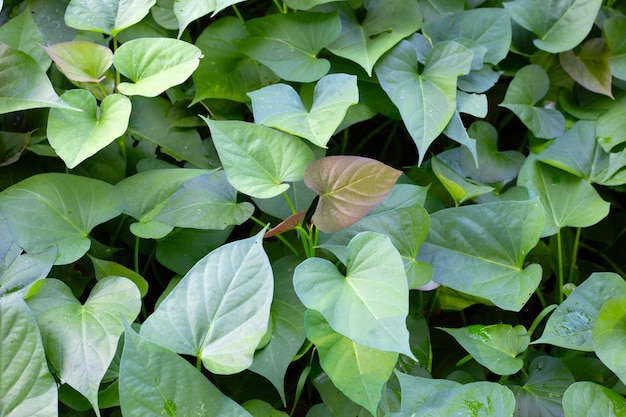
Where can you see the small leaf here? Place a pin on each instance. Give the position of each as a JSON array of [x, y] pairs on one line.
[[186, 11], [81, 60], [280, 107], [75, 136], [258, 160], [370, 303], [584, 398], [590, 67], [12, 144], [358, 371], [286, 225], [104, 269], [615, 36], [609, 334], [349, 188], [155, 64], [461, 189], [110, 17]]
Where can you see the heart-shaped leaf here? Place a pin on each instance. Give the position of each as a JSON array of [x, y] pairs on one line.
[[461, 189], [75, 136], [259, 160], [186, 11], [530, 85], [370, 303], [358, 371], [110, 17], [59, 210], [586, 398], [279, 106], [349, 188], [220, 310], [104, 269], [81, 340], [609, 334], [480, 250], [26, 385], [155, 64], [289, 43], [81, 60], [615, 36], [590, 66], [156, 381], [386, 23], [426, 101]]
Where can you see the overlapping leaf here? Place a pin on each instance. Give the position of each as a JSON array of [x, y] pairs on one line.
[[110, 17], [186, 11], [590, 66], [461, 189], [609, 334], [584, 398], [19, 270], [22, 33], [611, 126], [103, 269], [615, 36], [81, 60]]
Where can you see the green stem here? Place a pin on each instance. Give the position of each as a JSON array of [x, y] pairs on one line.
[[118, 77], [299, 388], [198, 363], [279, 237], [572, 266], [541, 316], [541, 299], [137, 255], [289, 203], [239, 16], [559, 278], [102, 90]]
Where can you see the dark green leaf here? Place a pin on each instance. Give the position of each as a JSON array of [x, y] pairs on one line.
[[590, 66]]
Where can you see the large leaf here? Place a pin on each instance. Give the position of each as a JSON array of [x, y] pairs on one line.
[[567, 200], [480, 250], [590, 66], [609, 335], [571, 324], [349, 188], [559, 25], [110, 17], [615, 36], [58, 210], [23, 84], [259, 160], [530, 85], [155, 64], [81, 60], [220, 310], [426, 100], [585, 399], [21, 33], [385, 24], [156, 381], [279, 106], [81, 340], [289, 43], [417, 390], [370, 303], [186, 11], [26, 385], [358, 371], [75, 136]]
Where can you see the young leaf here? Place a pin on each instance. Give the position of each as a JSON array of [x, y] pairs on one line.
[[496, 347], [590, 67], [571, 324], [81, 61], [59, 210], [349, 188], [289, 43], [280, 107], [480, 250], [370, 303], [615, 36], [559, 25], [609, 333], [530, 85], [258, 160], [426, 101], [220, 310], [155, 64], [386, 23], [23, 84], [75, 136], [358, 371], [81, 340], [584, 398], [186, 11], [26, 385], [156, 381], [461, 189], [110, 17]]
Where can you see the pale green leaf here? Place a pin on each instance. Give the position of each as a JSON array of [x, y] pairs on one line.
[[259, 408], [590, 66], [110, 17], [587, 399], [417, 390], [103, 269], [22, 33], [306, 4], [437, 9], [611, 126], [19, 270], [186, 11], [615, 36], [81, 60], [461, 189], [609, 335]]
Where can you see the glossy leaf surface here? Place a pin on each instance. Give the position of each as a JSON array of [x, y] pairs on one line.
[[609, 334], [186, 11], [110, 17], [81, 60], [584, 398]]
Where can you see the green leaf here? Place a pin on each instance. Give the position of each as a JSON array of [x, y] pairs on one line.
[[531, 84], [187, 11], [156, 381], [110, 17], [21, 33], [300, 195], [609, 334], [480, 250], [220, 310], [306, 4], [280, 107], [571, 324], [258, 160], [584, 399], [105, 269], [289, 43], [75, 136], [224, 72], [349, 188], [259, 408], [426, 101], [26, 385], [59, 210], [559, 25], [417, 390], [542, 393], [385, 24], [81, 340], [19, 270], [615, 36], [81, 60], [461, 189], [155, 64], [496, 346], [611, 126], [23, 84], [182, 248], [369, 304], [590, 66], [568, 201], [358, 371], [12, 144]]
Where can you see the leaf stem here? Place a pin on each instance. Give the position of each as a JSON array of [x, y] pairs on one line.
[[239, 16], [572, 266], [300, 387], [137, 255], [289, 203], [279, 237], [541, 316], [198, 363], [118, 77], [559, 278]]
